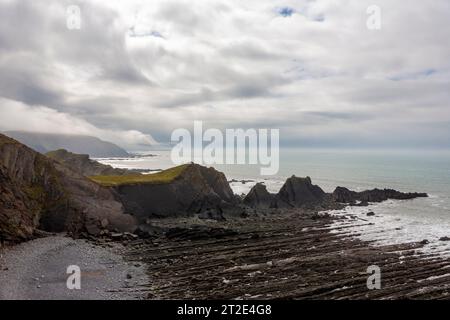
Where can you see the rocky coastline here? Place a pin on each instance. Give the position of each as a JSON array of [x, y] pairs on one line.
[[200, 240]]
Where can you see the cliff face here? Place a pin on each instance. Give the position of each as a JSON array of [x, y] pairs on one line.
[[196, 189], [17, 217], [37, 192], [82, 164]]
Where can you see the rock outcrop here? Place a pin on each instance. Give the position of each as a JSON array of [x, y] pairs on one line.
[[196, 189], [299, 192], [344, 195], [259, 197], [295, 193], [81, 163], [37, 192]]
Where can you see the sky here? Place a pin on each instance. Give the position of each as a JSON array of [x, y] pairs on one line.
[[137, 70]]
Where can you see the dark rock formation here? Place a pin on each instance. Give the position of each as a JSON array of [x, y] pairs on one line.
[[344, 195], [259, 197], [82, 164], [17, 215], [295, 193], [299, 192], [45, 142], [197, 189], [37, 192]]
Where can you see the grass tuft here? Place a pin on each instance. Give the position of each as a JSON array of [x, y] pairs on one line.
[[163, 177]]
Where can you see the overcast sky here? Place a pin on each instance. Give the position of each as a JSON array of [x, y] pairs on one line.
[[136, 70]]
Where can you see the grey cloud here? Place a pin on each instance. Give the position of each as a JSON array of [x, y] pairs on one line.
[[234, 65], [27, 87]]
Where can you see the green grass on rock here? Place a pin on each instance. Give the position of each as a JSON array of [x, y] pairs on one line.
[[165, 176]]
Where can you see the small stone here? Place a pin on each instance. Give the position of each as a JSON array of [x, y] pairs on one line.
[[131, 235], [424, 241], [444, 238], [116, 236], [370, 214], [129, 276], [104, 223]]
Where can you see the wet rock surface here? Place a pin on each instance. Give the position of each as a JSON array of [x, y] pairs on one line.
[[290, 255]]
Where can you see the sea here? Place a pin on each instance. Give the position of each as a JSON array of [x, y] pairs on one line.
[[395, 221]]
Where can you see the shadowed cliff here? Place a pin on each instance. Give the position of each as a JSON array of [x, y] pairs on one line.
[[39, 193]]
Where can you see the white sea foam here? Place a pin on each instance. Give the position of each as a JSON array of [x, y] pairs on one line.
[[392, 225]]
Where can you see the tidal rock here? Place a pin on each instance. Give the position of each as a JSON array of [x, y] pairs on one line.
[[344, 195], [259, 197], [299, 192]]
